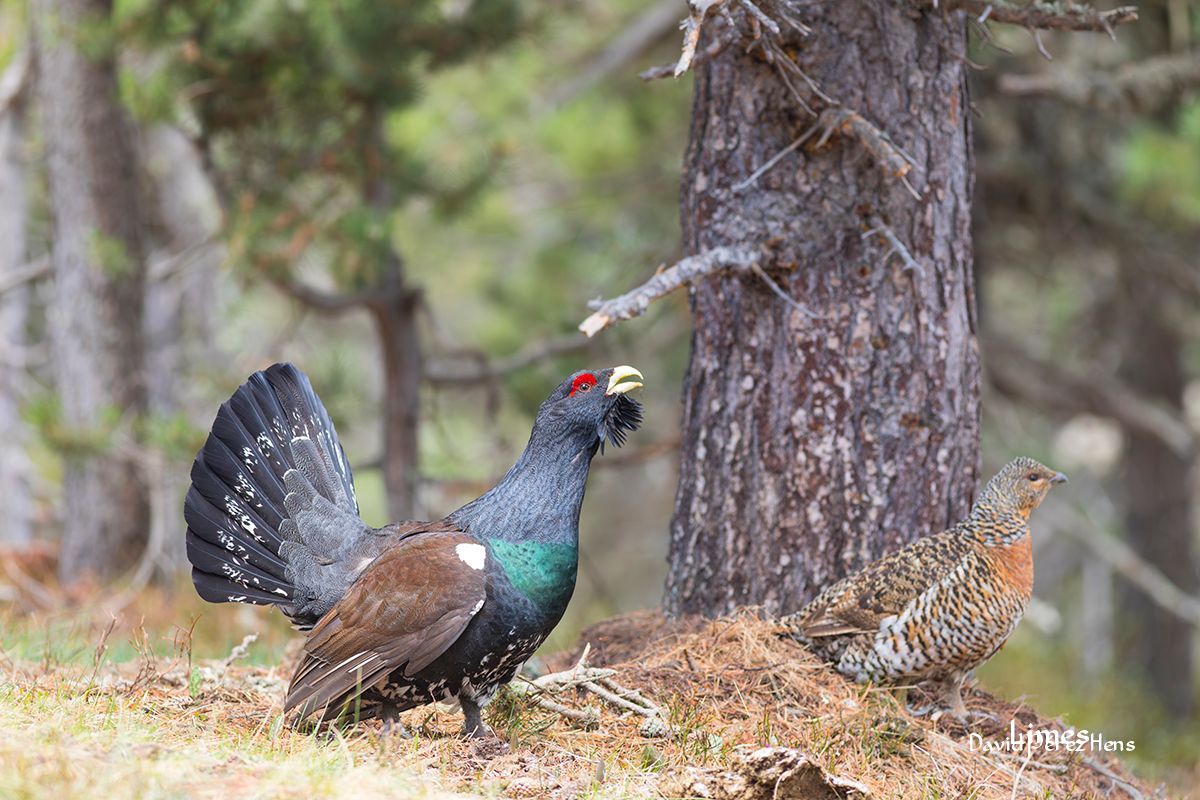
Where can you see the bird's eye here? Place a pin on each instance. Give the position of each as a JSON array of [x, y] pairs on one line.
[[583, 383], [1033, 476]]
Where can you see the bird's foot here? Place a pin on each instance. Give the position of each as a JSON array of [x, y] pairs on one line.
[[477, 731], [392, 726], [962, 716]]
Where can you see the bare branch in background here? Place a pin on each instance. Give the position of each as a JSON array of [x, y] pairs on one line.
[[634, 303], [324, 301], [479, 368], [648, 28], [33, 271], [1147, 85], [1049, 386], [1125, 561], [1061, 16]]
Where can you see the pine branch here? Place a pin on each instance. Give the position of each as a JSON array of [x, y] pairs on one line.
[[1059, 16], [634, 303]]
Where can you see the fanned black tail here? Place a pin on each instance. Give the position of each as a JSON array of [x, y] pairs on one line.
[[235, 509]]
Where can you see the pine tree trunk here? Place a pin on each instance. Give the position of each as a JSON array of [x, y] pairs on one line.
[[96, 320], [1156, 501], [16, 521], [812, 445]]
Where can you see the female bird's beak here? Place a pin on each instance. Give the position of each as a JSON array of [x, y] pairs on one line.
[[1058, 478], [619, 374]]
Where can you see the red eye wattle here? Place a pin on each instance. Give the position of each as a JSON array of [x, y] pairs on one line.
[[583, 383]]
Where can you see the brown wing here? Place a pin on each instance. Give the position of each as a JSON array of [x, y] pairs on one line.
[[405, 610], [858, 602]]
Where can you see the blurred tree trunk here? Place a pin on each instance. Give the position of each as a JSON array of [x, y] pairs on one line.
[[1156, 500], [99, 282], [395, 315], [812, 445], [395, 318], [181, 301], [16, 520]]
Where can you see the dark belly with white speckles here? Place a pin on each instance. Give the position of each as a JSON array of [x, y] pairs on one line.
[[485, 657]]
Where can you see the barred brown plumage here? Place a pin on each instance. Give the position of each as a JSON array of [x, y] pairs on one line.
[[943, 605]]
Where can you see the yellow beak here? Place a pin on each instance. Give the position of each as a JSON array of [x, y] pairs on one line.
[[617, 383]]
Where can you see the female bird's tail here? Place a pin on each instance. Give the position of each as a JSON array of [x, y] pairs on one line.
[[271, 462]]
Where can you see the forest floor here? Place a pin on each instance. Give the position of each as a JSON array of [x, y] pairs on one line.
[[729, 710]]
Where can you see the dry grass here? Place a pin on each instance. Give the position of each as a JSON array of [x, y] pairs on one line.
[[162, 726]]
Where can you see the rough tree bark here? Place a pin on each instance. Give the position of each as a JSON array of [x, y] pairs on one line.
[[812, 444], [16, 522], [96, 337], [1156, 500]]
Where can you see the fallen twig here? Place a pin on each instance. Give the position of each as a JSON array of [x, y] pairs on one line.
[[599, 682], [1121, 784]]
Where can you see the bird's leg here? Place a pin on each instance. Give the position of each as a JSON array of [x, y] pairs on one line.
[[952, 697], [473, 725], [390, 714], [949, 701]]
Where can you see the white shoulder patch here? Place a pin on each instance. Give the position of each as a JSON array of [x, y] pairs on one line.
[[473, 555]]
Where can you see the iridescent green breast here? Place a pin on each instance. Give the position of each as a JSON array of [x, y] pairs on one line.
[[543, 572]]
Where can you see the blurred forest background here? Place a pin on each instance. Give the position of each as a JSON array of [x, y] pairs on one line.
[[414, 202]]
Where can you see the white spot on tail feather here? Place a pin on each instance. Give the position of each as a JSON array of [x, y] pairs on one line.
[[473, 555]]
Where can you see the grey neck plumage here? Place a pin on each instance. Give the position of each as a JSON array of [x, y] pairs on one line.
[[540, 497]]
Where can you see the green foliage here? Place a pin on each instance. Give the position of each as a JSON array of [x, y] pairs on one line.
[[1161, 169], [110, 254], [292, 100], [173, 434], [44, 414]]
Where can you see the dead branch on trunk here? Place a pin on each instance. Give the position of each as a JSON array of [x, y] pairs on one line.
[[666, 280], [668, 70], [887, 155], [1021, 375], [1059, 16], [1147, 85], [897, 246]]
